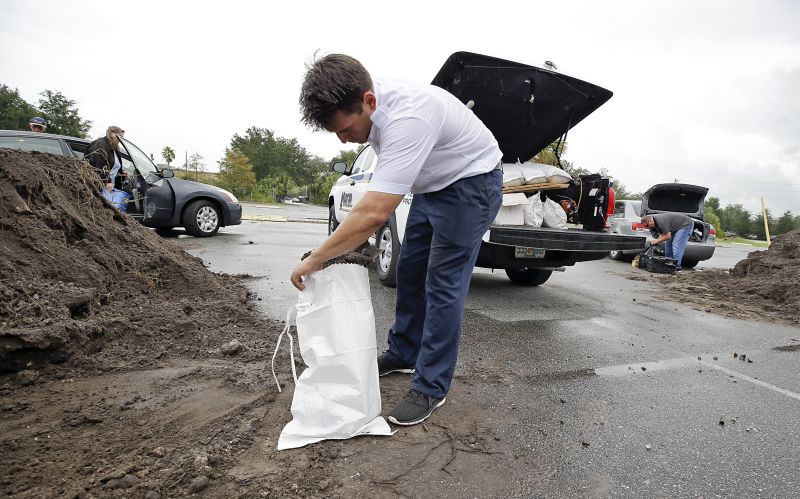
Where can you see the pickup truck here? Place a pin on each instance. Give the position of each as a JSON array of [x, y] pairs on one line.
[[526, 108]]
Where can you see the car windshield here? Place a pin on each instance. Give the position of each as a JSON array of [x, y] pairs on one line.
[[140, 159]]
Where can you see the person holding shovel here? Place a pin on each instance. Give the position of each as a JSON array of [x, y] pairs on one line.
[[429, 144]]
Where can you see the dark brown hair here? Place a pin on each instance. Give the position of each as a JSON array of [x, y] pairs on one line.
[[336, 82]]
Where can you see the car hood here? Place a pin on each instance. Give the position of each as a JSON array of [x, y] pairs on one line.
[[676, 198], [525, 107], [192, 185]]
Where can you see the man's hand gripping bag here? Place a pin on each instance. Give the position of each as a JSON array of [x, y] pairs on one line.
[[338, 395]]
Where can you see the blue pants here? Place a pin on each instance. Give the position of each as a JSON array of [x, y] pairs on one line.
[[674, 248], [442, 238]]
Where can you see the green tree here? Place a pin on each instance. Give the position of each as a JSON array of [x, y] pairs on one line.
[[757, 225], [168, 154], [785, 223], [235, 172], [711, 204], [278, 186], [713, 219], [62, 115], [348, 156], [15, 112], [735, 218], [196, 163], [622, 192], [550, 154]]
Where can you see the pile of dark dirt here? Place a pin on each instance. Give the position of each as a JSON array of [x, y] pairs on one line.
[[84, 287], [765, 285]]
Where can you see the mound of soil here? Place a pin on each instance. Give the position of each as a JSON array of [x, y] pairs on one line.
[[84, 287], [765, 285]]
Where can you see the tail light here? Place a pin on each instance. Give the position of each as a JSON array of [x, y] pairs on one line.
[[639, 226], [712, 231]]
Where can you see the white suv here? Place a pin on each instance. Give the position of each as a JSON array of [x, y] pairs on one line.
[[526, 108]]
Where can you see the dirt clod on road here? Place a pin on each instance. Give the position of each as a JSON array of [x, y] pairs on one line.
[[765, 285]]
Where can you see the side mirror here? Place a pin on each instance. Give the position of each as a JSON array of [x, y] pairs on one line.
[[340, 167], [167, 173]]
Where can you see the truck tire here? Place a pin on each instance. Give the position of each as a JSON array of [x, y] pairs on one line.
[[689, 264], [332, 222], [201, 218], [386, 264], [528, 277], [620, 256]]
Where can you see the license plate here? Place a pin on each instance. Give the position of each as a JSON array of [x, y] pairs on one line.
[[525, 252]]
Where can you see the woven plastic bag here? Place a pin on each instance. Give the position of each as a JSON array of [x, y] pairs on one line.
[[338, 395]]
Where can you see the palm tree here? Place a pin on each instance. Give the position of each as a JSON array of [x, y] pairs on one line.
[[168, 154]]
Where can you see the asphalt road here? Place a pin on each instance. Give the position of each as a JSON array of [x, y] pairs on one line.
[[605, 388]]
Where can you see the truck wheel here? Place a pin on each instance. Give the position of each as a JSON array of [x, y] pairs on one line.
[[201, 218], [386, 263], [620, 256], [689, 264], [332, 222], [528, 277]]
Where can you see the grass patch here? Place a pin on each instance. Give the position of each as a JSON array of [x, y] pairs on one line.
[[741, 240]]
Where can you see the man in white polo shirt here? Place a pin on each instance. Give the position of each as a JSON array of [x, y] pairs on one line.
[[429, 144]]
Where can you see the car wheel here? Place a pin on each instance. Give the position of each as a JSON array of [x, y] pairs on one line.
[[332, 222], [620, 256], [528, 277], [201, 218], [386, 264], [689, 264]]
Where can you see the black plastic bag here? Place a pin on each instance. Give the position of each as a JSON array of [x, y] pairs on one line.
[[657, 264]]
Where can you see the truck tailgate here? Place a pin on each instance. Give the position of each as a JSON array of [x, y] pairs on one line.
[[563, 239]]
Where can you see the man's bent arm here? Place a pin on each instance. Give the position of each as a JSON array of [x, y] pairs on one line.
[[364, 219], [663, 237]]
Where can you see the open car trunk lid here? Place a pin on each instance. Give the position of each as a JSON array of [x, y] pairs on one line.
[[525, 107], [676, 198]]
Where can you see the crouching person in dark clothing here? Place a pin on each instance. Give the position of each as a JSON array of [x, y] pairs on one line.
[[675, 229], [103, 154]]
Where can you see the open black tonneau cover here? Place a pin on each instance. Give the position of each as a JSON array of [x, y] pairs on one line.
[[525, 107]]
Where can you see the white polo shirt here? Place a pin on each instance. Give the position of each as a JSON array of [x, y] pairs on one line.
[[426, 139]]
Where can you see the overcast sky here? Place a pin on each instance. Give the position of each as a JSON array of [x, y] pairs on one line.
[[704, 92]]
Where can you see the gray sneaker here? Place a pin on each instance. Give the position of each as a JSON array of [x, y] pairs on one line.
[[414, 408], [388, 365]]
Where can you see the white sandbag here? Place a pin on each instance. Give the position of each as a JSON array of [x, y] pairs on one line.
[[512, 211], [534, 173], [512, 175], [557, 175], [534, 212], [553, 215], [338, 395]]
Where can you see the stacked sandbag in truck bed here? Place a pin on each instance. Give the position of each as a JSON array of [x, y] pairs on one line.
[[517, 174]]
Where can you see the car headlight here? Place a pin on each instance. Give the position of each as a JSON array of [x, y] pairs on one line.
[[229, 195]]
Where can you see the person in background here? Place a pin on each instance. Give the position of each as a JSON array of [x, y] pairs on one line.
[[38, 124], [675, 229], [103, 154]]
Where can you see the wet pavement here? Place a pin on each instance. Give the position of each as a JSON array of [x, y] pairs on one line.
[[604, 388]]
